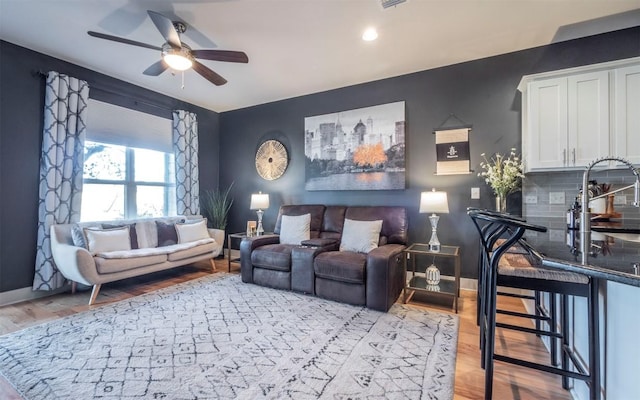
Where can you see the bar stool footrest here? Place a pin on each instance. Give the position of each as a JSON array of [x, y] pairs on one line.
[[541, 367]]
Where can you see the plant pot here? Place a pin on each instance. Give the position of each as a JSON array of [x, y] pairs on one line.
[[218, 235]]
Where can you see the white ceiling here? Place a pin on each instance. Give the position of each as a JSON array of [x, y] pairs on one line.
[[295, 47]]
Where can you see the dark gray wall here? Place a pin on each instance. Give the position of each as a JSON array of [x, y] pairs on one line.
[[482, 93], [21, 114]]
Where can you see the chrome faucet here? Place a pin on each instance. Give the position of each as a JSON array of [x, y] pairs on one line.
[[585, 215]]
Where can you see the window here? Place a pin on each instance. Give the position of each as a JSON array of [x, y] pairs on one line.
[[126, 182], [129, 167]]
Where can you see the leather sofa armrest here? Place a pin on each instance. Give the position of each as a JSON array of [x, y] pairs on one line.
[[384, 276], [302, 273], [247, 246]]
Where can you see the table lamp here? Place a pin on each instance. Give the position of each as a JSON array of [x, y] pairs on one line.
[[434, 202], [258, 202]]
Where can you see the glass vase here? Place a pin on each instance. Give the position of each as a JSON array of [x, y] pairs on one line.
[[501, 203]]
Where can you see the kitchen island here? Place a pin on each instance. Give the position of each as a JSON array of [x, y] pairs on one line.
[[614, 270]]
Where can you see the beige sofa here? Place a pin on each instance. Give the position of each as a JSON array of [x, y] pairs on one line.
[[93, 266]]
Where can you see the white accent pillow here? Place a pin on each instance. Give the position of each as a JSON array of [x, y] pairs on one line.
[[192, 231], [104, 240], [360, 236], [295, 228]]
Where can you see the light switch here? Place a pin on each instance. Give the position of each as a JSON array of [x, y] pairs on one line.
[[531, 199], [620, 200], [556, 197], [475, 193]]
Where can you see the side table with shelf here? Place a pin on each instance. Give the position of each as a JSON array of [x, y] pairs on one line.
[[238, 236], [448, 286]]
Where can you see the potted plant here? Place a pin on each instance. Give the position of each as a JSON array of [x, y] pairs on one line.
[[215, 205]]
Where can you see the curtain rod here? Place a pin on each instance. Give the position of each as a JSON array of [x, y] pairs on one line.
[[41, 74]]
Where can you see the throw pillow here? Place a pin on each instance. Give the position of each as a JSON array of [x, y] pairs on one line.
[[133, 234], [104, 240], [77, 235], [167, 234], [295, 228], [360, 236], [192, 231]]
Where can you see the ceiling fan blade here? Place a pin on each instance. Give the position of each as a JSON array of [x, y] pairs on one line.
[[123, 40], [208, 74], [221, 55], [166, 28], [156, 68]]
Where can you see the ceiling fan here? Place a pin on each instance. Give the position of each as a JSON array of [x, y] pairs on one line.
[[176, 54]]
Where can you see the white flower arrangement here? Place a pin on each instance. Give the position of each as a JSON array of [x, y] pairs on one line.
[[502, 173]]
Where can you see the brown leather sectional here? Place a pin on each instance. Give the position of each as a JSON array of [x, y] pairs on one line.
[[317, 267]]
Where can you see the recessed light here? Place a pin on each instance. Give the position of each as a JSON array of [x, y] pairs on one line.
[[370, 34]]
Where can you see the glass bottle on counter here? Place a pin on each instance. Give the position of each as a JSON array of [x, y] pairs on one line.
[[573, 215]]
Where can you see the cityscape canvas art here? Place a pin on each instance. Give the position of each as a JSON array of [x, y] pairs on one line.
[[361, 149]]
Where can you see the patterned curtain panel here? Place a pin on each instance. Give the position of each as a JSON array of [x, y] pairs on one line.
[[185, 148], [61, 165]]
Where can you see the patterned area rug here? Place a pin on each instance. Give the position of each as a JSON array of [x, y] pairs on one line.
[[218, 338]]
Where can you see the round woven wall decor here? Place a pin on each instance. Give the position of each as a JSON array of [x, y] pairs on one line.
[[271, 160]]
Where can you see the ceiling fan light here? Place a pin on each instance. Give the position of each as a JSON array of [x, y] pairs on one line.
[[178, 62]]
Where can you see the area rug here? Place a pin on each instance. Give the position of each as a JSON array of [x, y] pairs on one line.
[[219, 338]]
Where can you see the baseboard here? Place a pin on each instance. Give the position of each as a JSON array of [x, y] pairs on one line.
[[27, 293], [468, 284]]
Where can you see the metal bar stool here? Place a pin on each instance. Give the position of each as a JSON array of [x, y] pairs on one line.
[[494, 229], [537, 278]]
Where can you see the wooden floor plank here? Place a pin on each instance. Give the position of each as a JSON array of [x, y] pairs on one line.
[[510, 382]]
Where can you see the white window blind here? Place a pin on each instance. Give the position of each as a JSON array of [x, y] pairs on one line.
[[108, 123]]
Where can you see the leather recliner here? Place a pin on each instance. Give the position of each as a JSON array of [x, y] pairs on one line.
[[318, 267]]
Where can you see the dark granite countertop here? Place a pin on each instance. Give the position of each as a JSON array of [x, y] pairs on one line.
[[614, 260]]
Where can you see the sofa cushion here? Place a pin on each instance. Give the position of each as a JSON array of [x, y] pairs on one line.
[[295, 229], [101, 240], [343, 266], [152, 251], [201, 247], [192, 231], [147, 234], [133, 236], [333, 221], [273, 256], [316, 211], [113, 265], [167, 234], [360, 236], [77, 236], [394, 226]]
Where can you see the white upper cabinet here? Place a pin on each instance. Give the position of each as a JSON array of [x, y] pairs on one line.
[[626, 138], [546, 145], [572, 117], [588, 118]]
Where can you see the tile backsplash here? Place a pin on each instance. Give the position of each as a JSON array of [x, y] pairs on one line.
[[550, 194]]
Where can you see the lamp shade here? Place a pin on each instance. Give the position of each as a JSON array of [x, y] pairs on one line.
[[259, 201], [434, 202]]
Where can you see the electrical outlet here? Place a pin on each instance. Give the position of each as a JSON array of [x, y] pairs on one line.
[[475, 193], [620, 199], [556, 235], [531, 199], [556, 197]]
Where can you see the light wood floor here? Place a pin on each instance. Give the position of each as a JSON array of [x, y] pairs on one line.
[[510, 382]]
